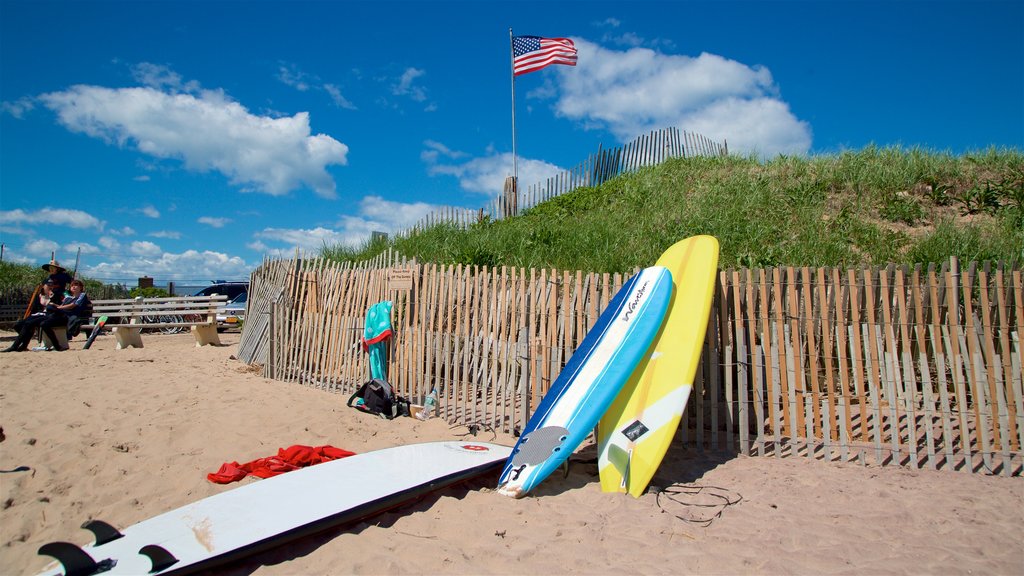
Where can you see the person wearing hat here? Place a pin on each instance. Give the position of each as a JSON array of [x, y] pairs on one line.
[[58, 276]]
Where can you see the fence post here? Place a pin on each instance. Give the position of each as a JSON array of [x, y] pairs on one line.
[[272, 344]]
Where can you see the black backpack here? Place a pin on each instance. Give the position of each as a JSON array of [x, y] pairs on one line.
[[378, 398]]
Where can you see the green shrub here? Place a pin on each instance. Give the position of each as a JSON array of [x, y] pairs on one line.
[[13, 275], [152, 292], [901, 208]]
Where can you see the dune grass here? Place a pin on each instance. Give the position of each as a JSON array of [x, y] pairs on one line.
[[873, 206], [18, 280]]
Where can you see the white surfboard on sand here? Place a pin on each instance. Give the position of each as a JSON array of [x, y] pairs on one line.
[[270, 512]]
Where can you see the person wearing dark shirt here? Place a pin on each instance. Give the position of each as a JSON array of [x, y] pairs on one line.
[[77, 309], [59, 277]]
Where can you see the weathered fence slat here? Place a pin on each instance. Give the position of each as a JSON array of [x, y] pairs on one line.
[[755, 363], [768, 366], [742, 363], [927, 387], [829, 424]]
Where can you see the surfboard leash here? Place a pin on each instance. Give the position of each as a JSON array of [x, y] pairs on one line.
[[474, 429], [711, 500]]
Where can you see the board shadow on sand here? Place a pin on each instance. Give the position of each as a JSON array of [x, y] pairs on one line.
[[684, 465], [680, 466], [307, 545]]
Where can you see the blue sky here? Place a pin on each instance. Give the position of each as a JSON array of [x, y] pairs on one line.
[[186, 140]]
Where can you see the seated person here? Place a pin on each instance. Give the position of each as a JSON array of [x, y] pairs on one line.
[[77, 308], [26, 328]]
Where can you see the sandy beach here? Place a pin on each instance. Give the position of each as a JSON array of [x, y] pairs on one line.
[[123, 435]]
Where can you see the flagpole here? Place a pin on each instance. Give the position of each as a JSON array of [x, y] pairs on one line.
[[512, 71]]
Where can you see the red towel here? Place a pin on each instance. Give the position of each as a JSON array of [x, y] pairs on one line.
[[287, 459]]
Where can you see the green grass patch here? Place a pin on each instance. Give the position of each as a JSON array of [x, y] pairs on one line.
[[869, 207]]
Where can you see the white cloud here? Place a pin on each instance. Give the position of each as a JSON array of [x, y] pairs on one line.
[[144, 248], [149, 211], [37, 252], [763, 126], [339, 100], [628, 39], [18, 108], [165, 234], [310, 240], [290, 75], [285, 253], [53, 216], [124, 231], [188, 265], [213, 221], [436, 150], [205, 131], [486, 175], [16, 230], [157, 76], [375, 215], [109, 243], [406, 85], [638, 90], [379, 215], [86, 248], [41, 248]]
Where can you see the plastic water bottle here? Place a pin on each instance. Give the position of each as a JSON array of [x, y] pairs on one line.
[[429, 405]]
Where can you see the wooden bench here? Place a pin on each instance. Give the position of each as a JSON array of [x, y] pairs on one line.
[[11, 313], [129, 317]]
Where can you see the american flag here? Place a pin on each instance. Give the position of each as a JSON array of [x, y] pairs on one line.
[[533, 53]]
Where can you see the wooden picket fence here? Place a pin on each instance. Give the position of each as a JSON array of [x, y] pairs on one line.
[[912, 366], [917, 366], [650, 149]]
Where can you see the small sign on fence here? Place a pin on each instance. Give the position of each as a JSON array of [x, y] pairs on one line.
[[400, 279]]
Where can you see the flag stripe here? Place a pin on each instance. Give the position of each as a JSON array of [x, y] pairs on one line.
[[533, 67], [532, 53]]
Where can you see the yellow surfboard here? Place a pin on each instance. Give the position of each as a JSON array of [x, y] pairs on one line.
[[635, 433]]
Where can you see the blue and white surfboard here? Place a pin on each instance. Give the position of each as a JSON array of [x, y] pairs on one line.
[[589, 382]]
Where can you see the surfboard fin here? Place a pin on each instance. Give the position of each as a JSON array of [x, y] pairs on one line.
[[74, 560], [625, 473], [161, 558], [102, 531], [619, 458]]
